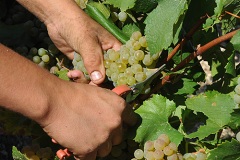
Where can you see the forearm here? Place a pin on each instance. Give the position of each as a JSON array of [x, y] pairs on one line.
[[25, 87]]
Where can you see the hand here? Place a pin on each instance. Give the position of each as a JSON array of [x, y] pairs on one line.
[[82, 34], [98, 127]]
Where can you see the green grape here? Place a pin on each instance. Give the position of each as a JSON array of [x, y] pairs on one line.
[[159, 144], [155, 56], [128, 72], [124, 57], [237, 89], [107, 63], [201, 156], [42, 51], [113, 55], [173, 146], [122, 16], [114, 67], [168, 151], [189, 156], [143, 41], [122, 67], [149, 155], [109, 72], [140, 76], [114, 77], [121, 81], [54, 69], [136, 46], [121, 75], [236, 98], [131, 80], [147, 60], [139, 55], [149, 146], [134, 159], [129, 43], [238, 136], [165, 138], [158, 154], [136, 35], [132, 60], [180, 156], [41, 64], [77, 57], [36, 59], [136, 68], [45, 58], [172, 157], [138, 154]]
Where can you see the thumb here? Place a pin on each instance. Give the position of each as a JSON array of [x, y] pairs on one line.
[[92, 56]]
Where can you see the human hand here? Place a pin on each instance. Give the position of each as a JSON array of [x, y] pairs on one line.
[[82, 34], [99, 126]]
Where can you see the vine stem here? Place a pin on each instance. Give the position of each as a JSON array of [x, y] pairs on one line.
[[199, 51], [186, 38]]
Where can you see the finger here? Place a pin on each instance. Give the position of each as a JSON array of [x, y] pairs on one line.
[[77, 76], [129, 116], [117, 136], [92, 56], [105, 149]]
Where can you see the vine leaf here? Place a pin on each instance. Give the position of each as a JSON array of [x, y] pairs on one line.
[[122, 4], [160, 33], [155, 113], [219, 7], [236, 41], [227, 151], [235, 120], [145, 5], [128, 29], [216, 106], [17, 155]]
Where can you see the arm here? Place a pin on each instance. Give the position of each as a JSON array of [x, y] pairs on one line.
[[64, 109], [73, 30]]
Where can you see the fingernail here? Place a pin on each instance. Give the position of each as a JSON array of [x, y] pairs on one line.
[[96, 75]]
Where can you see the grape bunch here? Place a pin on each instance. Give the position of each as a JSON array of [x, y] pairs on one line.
[[160, 149], [130, 65], [35, 152], [237, 92], [163, 149]]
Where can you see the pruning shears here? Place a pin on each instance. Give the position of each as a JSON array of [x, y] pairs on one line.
[[129, 93]]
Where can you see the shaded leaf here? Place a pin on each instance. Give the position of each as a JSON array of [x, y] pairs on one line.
[[216, 106], [155, 113], [122, 4]]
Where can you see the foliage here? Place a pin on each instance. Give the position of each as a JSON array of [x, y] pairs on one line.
[[199, 44]]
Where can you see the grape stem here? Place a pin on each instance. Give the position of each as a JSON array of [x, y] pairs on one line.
[[199, 51]]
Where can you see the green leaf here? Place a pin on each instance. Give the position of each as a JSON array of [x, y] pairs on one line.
[[236, 41], [235, 120], [226, 151], [17, 155], [219, 8], [62, 74], [155, 113], [122, 4], [145, 5], [160, 33], [128, 29], [230, 66], [188, 87], [216, 106]]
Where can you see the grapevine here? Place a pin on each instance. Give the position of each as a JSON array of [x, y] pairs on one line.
[[190, 112]]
